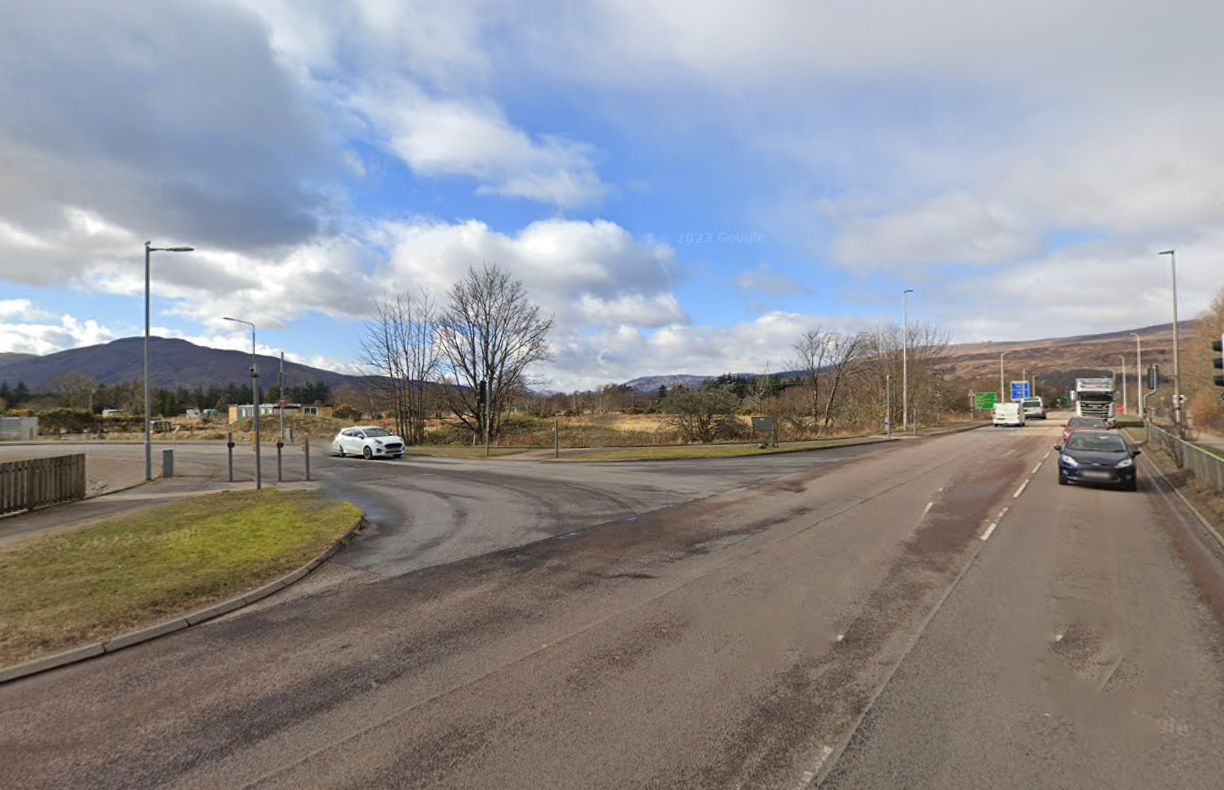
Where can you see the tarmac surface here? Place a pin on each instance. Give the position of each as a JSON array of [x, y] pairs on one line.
[[934, 614]]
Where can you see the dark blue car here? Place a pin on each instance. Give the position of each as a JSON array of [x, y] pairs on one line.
[[1102, 457]]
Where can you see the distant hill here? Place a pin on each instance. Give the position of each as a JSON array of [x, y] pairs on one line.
[[172, 363], [9, 357], [652, 383]]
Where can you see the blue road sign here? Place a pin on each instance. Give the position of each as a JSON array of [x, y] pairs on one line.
[[1019, 390]]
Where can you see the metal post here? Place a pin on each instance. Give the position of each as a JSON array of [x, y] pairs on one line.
[[905, 358], [229, 446], [279, 475], [148, 408], [556, 438], [1177, 409], [888, 405], [1002, 392], [254, 401], [306, 456], [1123, 358], [280, 391], [1138, 374]]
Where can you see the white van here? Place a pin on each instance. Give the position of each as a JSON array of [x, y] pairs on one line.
[[1009, 414], [1034, 408]]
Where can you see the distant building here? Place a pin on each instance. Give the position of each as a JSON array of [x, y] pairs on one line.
[[18, 429], [245, 411]]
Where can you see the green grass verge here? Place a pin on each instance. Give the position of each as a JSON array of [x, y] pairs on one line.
[[462, 452], [76, 587]]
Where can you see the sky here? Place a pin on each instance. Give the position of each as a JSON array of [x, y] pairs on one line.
[[687, 187]]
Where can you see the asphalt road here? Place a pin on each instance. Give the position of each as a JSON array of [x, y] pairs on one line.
[[934, 614]]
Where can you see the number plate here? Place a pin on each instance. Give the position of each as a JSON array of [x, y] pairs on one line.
[[1096, 476]]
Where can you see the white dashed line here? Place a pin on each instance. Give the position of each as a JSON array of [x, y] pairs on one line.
[[1038, 466], [990, 530], [1020, 490], [927, 509]]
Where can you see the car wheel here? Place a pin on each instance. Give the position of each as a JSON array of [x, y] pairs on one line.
[[1133, 485], [1062, 479], [367, 452], [338, 450]]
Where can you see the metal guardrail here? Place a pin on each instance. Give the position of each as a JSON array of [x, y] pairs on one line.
[[1204, 465], [39, 482]]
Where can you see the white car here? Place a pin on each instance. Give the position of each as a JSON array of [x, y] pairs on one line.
[[369, 441]]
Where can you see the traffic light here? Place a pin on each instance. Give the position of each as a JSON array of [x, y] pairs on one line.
[[1218, 362]]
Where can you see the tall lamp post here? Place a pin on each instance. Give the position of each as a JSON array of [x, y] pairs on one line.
[[905, 358], [1138, 374], [1001, 391], [148, 402], [1122, 357], [1177, 408], [254, 399]]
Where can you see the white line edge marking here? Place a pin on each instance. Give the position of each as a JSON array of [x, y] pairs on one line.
[[1038, 466], [928, 508], [825, 753], [1020, 490], [990, 530]]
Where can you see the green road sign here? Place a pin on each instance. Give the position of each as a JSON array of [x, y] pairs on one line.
[[986, 400]]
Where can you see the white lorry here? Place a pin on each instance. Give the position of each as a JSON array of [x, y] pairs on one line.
[[1009, 414], [1095, 398]]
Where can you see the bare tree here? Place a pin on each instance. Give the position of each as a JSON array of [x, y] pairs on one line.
[[490, 332], [399, 345]]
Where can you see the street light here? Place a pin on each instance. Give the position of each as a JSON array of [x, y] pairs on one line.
[[1177, 413], [1138, 374], [905, 358], [254, 398], [148, 403], [1123, 358], [1001, 399]]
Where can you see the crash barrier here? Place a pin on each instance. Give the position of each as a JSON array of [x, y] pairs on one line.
[[1205, 466], [39, 482]]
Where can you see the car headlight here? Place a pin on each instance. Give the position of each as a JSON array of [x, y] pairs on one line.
[[378, 442], [1068, 460], [1125, 462]]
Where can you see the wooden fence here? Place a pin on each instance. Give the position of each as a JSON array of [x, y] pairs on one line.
[[39, 482]]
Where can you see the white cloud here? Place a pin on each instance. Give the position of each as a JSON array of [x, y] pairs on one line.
[[471, 137], [47, 338], [764, 280], [952, 228], [560, 262], [21, 308]]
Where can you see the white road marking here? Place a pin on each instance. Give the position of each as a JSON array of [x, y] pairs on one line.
[[810, 775], [1020, 490], [1038, 466], [990, 530], [928, 508]]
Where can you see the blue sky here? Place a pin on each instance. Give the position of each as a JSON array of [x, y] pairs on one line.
[[687, 186]]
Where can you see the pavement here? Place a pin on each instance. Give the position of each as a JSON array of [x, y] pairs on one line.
[[930, 615]]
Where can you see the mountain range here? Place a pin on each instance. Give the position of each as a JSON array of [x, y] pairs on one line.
[[172, 363], [178, 363]]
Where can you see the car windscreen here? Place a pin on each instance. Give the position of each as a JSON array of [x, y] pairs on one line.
[[1096, 442], [373, 432], [1085, 422]]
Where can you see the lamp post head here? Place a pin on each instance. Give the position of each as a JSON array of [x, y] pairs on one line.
[[1165, 252]]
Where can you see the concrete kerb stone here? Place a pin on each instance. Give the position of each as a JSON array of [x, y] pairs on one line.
[[104, 647], [51, 662]]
